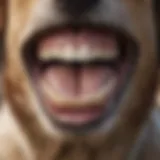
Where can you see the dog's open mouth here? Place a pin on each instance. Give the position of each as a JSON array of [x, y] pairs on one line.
[[78, 72]]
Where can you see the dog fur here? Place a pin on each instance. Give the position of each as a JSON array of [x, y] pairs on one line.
[[25, 131]]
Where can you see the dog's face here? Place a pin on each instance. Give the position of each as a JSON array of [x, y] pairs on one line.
[[78, 65]]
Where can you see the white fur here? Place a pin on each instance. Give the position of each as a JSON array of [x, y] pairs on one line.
[[11, 135]]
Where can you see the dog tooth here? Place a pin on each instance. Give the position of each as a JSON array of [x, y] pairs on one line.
[[46, 55], [84, 50], [84, 53], [69, 52]]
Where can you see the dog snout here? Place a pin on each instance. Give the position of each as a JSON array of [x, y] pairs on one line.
[[76, 8]]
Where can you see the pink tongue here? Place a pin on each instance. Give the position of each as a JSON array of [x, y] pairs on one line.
[[71, 82]]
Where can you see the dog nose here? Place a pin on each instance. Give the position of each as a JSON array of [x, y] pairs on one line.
[[77, 7]]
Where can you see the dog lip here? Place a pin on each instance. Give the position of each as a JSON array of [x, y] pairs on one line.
[[79, 116]]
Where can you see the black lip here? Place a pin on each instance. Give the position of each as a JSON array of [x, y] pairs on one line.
[[30, 59]]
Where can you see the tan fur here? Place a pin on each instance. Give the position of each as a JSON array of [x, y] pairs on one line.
[[27, 134]]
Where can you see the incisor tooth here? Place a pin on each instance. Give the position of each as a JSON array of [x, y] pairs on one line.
[[69, 51], [84, 50]]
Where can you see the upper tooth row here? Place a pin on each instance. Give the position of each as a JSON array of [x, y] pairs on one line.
[[76, 54]]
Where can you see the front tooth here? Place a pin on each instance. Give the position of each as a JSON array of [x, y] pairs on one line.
[[68, 52], [83, 52]]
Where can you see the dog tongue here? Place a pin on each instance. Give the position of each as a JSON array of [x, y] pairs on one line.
[[72, 82]]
